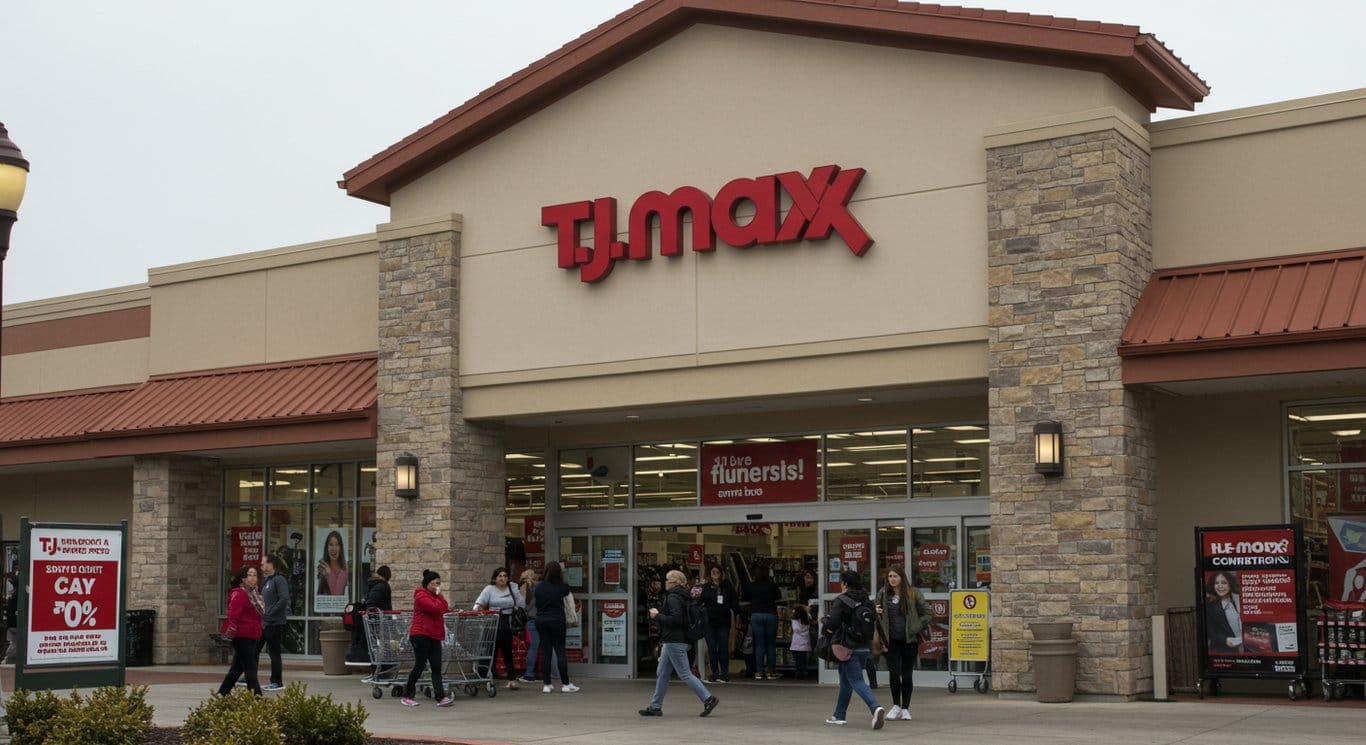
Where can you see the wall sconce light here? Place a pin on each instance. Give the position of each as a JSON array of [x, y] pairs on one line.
[[1048, 448], [405, 476]]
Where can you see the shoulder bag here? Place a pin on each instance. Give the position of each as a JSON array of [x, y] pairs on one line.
[[571, 611]]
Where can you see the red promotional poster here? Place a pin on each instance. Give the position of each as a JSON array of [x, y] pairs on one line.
[[759, 473], [695, 555], [246, 545], [1346, 561], [73, 610], [1250, 605], [853, 557], [534, 527], [929, 556]]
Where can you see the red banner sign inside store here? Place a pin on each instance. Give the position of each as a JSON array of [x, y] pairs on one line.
[[246, 545], [853, 557], [929, 556], [1250, 604], [759, 473]]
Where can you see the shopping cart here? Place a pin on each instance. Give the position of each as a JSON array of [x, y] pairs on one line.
[[391, 654], [468, 651]]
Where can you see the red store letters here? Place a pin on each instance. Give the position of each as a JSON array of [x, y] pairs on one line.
[[820, 205]]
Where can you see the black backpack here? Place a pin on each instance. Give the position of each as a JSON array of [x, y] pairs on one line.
[[694, 620], [858, 627]]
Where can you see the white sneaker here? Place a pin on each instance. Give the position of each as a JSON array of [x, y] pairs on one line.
[[513, 685], [895, 713], [568, 688], [547, 688], [905, 715], [879, 717], [833, 720]]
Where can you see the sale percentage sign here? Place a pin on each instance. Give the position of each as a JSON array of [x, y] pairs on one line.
[[75, 612]]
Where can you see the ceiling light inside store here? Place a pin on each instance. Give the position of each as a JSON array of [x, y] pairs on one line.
[[982, 441], [884, 462], [670, 456], [966, 428], [952, 471], [1333, 417], [632, 416], [720, 442], [866, 448], [863, 399], [293, 471], [763, 439], [838, 464], [520, 456], [950, 460], [889, 432], [919, 431], [886, 483], [1346, 432]]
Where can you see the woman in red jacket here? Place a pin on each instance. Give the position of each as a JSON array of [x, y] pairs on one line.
[[243, 626], [427, 632]]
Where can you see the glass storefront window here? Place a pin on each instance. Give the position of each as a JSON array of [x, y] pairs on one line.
[[977, 567], [934, 560], [865, 465], [595, 478], [287, 526], [891, 548], [333, 544], [1326, 451], [843, 545], [244, 485], [289, 483], [574, 561], [665, 475], [1324, 434], [949, 461]]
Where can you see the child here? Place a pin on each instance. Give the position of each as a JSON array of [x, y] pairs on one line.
[[801, 638]]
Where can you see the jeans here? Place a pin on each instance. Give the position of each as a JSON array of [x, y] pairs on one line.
[[718, 651], [673, 658], [245, 652], [270, 641], [901, 670], [765, 627], [552, 642], [851, 681], [532, 648], [426, 651]]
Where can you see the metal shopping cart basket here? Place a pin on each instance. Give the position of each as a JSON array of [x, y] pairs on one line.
[[386, 635], [468, 651]]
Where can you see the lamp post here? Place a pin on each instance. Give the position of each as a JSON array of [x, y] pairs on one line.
[[13, 179]]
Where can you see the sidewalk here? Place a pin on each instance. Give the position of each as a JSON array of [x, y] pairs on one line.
[[604, 713]]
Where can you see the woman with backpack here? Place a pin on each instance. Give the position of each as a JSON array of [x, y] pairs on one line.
[[674, 623], [902, 612], [850, 626]]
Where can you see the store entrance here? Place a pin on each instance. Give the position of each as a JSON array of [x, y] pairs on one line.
[[743, 551]]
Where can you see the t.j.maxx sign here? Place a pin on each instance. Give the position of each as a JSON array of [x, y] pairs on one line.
[[820, 204]]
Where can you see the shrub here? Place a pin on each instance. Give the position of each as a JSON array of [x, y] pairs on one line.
[[241, 718], [109, 716], [31, 715], [318, 720]]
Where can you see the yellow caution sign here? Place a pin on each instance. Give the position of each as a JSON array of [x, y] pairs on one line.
[[969, 628]]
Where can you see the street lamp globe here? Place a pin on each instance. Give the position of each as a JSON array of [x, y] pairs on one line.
[[13, 179]]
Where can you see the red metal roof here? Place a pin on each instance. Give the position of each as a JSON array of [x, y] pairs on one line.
[[1290, 314], [1135, 60], [293, 402]]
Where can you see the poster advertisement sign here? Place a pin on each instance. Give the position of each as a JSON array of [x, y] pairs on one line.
[[695, 553], [1248, 589], [612, 561], [533, 527], [930, 556], [1347, 559], [73, 607], [332, 575], [613, 628], [759, 473], [969, 637], [1352, 488], [853, 557], [573, 570], [246, 544], [573, 637]]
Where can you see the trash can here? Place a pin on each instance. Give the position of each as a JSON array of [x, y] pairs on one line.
[[138, 624], [334, 640], [1054, 654]]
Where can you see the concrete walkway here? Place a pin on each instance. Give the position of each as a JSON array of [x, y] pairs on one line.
[[604, 713]]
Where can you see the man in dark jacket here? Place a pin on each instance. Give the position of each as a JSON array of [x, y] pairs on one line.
[[378, 596], [838, 623], [673, 637], [275, 595]]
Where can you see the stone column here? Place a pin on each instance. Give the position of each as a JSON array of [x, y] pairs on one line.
[[1069, 252], [458, 525], [173, 553]]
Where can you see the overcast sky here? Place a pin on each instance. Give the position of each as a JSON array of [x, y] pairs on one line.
[[166, 132]]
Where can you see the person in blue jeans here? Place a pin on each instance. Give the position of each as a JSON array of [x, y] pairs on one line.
[[533, 639], [763, 597], [851, 670], [673, 639]]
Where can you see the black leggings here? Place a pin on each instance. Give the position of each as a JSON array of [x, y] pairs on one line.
[[901, 670], [245, 652], [426, 651], [552, 639], [502, 645]]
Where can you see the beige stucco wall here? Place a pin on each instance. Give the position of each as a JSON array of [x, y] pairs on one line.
[[121, 362], [103, 495], [734, 104], [314, 300], [1220, 463], [1271, 180]]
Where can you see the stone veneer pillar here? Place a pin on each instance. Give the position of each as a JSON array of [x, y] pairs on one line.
[[1069, 252], [458, 525], [173, 547]]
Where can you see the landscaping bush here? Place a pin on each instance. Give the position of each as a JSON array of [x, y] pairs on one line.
[[241, 718], [318, 720], [109, 716]]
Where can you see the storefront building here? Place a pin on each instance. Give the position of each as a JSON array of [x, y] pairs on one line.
[[774, 282]]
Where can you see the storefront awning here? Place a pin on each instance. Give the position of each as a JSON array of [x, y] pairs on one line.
[[287, 403], [1287, 315]]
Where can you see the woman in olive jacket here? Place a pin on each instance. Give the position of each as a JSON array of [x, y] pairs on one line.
[[902, 613]]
